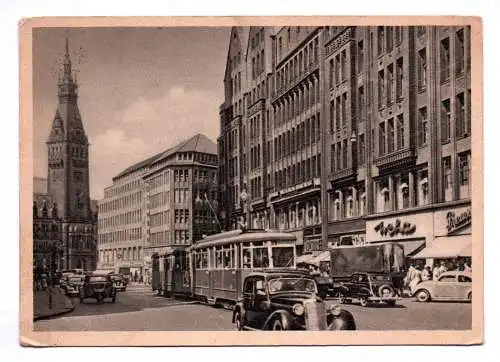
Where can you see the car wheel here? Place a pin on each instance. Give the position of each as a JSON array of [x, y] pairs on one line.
[[363, 301], [238, 321], [391, 303], [469, 297], [423, 295], [277, 325], [113, 298]]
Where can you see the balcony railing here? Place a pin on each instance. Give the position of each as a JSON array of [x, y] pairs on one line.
[[395, 159]]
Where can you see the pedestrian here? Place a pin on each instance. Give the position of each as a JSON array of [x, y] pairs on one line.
[[409, 277], [416, 278], [426, 273], [436, 272]]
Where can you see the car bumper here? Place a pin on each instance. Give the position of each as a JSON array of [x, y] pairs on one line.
[[383, 299], [72, 292]]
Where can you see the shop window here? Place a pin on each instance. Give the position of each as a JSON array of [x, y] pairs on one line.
[[423, 188]]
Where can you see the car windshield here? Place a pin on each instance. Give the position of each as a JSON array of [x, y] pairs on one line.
[[297, 284], [98, 279]]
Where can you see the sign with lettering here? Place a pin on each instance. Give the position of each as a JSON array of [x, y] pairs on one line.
[[452, 221], [456, 221], [395, 229]]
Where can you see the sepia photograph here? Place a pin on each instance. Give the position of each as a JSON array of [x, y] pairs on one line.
[[315, 174]]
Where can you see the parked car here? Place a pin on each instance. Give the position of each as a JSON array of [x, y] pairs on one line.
[[286, 300], [98, 287], [70, 284], [367, 288], [119, 281], [450, 286]]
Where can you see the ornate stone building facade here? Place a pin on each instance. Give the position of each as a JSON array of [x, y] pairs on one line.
[[68, 176], [348, 127]]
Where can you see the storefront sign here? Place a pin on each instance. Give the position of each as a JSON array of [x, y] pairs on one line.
[[453, 221], [456, 221], [397, 228]]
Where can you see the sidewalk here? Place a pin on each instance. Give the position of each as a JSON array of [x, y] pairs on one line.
[[60, 303]]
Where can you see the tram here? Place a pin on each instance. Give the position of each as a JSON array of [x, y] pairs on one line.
[[221, 262], [213, 269], [171, 272]]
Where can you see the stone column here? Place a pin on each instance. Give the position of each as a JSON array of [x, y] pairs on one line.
[[355, 201], [391, 193], [411, 189], [296, 214]]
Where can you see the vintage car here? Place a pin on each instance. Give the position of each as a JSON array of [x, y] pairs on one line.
[[70, 284], [98, 287], [367, 288], [286, 300], [450, 286], [119, 281]]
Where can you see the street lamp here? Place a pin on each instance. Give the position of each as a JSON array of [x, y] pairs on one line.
[[244, 197]]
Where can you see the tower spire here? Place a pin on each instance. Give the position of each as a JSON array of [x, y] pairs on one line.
[[67, 62]]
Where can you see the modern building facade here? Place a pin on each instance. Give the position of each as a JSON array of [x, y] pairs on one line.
[[166, 200], [359, 127], [68, 177]]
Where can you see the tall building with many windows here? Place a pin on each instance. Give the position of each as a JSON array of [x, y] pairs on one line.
[[166, 200], [363, 135]]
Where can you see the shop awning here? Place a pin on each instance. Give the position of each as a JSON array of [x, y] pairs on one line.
[[412, 247], [324, 256], [305, 259], [447, 247]]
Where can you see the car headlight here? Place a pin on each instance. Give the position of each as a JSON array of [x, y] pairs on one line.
[[298, 309], [335, 309]]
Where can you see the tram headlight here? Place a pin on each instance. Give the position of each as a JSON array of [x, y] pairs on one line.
[[298, 309]]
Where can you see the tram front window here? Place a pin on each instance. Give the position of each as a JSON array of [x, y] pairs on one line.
[[260, 258], [283, 257]]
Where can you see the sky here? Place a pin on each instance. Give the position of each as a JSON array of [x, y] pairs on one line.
[[141, 91]]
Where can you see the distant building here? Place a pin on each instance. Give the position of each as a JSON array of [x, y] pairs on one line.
[[68, 178], [166, 200]]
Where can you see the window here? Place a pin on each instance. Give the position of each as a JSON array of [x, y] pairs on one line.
[[331, 73], [390, 81], [398, 34], [468, 120], [464, 279], [344, 154], [460, 121], [344, 110], [282, 257], [464, 168], [390, 40], [361, 56], [400, 143], [445, 121], [337, 113], [459, 52], [337, 69], [380, 40], [447, 177], [332, 158], [362, 150], [390, 135], [380, 88], [344, 65], [338, 150], [447, 279], [381, 139], [361, 103], [445, 59], [399, 78], [422, 69], [423, 127]]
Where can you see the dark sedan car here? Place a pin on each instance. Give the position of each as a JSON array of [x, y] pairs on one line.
[[286, 300], [97, 287], [119, 281], [367, 288]]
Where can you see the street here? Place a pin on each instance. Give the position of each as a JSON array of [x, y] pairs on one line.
[[138, 309]]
